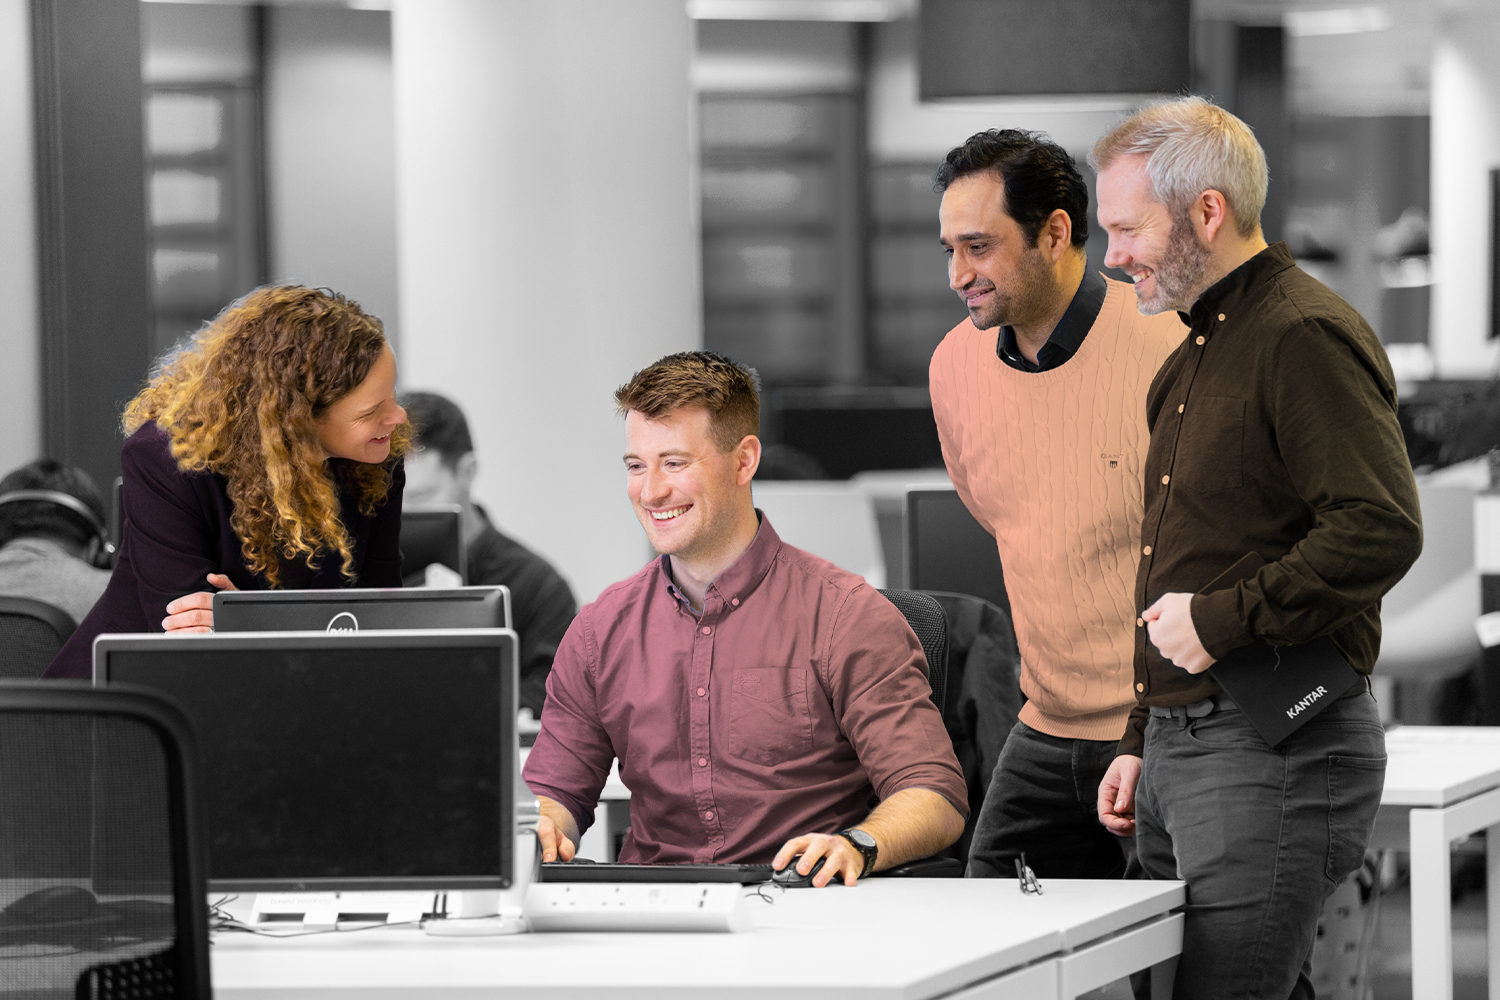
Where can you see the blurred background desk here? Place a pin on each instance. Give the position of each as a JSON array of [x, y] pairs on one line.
[[1442, 784], [886, 939]]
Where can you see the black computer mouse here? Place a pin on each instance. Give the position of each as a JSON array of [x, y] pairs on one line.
[[790, 878], [54, 904]]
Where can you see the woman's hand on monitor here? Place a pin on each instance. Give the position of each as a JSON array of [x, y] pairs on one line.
[[195, 612]]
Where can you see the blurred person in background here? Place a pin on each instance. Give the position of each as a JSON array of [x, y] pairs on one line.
[[53, 544], [264, 454], [1040, 404], [440, 469]]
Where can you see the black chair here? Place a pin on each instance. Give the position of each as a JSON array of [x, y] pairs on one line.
[[101, 854], [984, 692], [926, 618], [31, 633]]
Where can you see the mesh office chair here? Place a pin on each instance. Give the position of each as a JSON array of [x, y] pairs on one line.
[[926, 618], [983, 694], [102, 878], [31, 633]]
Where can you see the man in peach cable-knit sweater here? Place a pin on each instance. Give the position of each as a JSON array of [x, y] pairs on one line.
[[1040, 403]]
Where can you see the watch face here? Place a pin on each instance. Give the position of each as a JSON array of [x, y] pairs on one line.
[[861, 838]]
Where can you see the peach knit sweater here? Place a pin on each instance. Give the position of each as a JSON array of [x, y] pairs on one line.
[[1050, 462]]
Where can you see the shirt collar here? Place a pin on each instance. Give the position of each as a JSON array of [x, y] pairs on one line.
[[1225, 295], [744, 574], [1067, 336]]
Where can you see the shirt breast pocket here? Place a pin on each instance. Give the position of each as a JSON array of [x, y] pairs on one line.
[[769, 722], [1210, 447]]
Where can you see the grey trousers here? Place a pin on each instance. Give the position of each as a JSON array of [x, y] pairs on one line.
[[1261, 835]]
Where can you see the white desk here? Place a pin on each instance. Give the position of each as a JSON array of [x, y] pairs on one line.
[[883, 940], [1442, 783]]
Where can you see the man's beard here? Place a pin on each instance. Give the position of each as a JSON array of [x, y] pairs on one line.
[[1034, 288], [1179, 274]]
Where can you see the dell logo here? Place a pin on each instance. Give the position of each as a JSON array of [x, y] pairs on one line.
[[343, 622]]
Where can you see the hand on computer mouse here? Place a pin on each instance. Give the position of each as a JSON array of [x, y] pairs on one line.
[[790, 878], [839, 860]]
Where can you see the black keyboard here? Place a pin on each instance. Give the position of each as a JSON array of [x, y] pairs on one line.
[[600, 871]]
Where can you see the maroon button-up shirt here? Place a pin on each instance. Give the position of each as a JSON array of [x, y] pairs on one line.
[[793, 704]]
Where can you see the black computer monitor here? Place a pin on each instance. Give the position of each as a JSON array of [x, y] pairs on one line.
[[947, 550], [432, 533], [345, 761], [358, 609]]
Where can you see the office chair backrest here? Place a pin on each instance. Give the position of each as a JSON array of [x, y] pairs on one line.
[[101, 856], [31, 633], [984, 690], [926, 618]]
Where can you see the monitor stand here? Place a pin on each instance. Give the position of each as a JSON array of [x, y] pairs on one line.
[[489, 912]]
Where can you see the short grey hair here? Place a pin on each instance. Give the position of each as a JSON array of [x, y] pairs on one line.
[[1193, 145]]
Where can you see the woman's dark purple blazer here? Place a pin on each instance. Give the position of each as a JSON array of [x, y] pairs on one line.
[[177, 531]]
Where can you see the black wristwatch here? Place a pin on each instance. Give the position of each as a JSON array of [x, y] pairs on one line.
[[865, 844]]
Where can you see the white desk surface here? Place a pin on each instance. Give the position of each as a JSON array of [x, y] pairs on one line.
[[1439, 765], [897, 938]]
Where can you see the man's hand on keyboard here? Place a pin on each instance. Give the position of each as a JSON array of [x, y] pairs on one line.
[[843, 860], [557, 831]]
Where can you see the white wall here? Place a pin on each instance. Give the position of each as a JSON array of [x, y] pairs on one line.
[[1465, 147], [20, 336], [330, 155], [547, 212]]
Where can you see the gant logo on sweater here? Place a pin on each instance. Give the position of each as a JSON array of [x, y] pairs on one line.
[[1113, 460]]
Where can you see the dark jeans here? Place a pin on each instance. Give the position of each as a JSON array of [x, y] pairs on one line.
[[1261, 835], [1042, 800]]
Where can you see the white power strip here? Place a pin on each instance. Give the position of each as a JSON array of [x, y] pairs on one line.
[[682, 906]]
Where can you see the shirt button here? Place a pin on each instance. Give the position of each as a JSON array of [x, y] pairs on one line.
[[1221, 317], [702, 761], [702, 692], [1140, 687], [1199, 341], [735, 601], [1181, 407], [1164, 481], [1140, 623], [709, 814], [1146, 550], [707, 630]]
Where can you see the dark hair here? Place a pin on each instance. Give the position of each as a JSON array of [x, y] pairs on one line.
[[39, 518], [727, 389], [1039, 177], [439, 425]]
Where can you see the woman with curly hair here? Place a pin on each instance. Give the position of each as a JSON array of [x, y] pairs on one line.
[[266, 453]]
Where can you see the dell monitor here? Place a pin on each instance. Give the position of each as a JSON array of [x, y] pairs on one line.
[[345, 761], [357, 609]]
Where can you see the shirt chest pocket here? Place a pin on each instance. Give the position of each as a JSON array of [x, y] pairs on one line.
[[1211, 445], [769, 722]]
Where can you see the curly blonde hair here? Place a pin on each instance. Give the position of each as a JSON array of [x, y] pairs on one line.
[[242, 400]]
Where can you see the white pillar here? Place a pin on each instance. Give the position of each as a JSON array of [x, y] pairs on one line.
[[1465, 147], [547, 245], [20, 346]]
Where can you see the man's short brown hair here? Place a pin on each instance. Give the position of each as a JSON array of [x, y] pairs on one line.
[[727, 389]]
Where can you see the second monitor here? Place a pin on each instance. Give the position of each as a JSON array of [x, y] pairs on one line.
[[355, 610]]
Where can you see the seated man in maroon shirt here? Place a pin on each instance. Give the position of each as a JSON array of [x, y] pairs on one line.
[[760, 700]]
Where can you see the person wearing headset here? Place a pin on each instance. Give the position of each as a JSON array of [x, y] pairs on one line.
[[264, 454], [53, 544]]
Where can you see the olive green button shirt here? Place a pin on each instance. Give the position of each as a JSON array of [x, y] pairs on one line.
[[1273, 430]]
